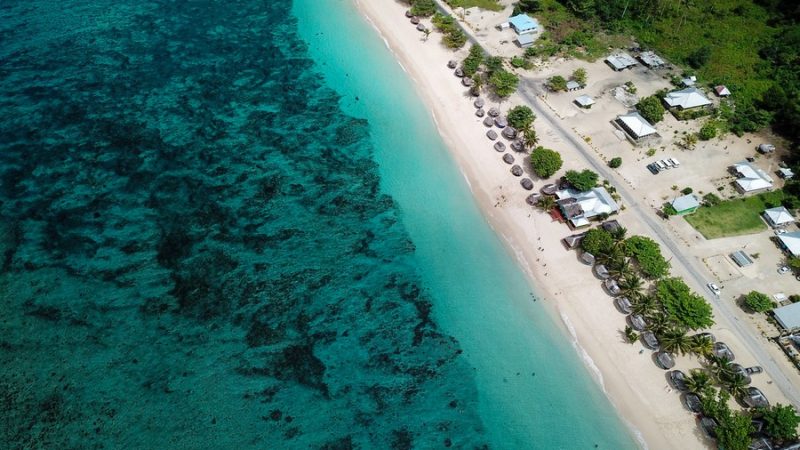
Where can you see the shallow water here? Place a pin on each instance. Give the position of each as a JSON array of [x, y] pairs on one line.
[[208, 245]]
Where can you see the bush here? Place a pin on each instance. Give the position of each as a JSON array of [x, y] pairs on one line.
[[423, 8], [545, 162], [615, 162], [708, 131], [557, 83], [473, 61], [579, 75], [493, 64], [647, 253], [597, 241], [699, 57], [520, 63], [651, 109], [583, 180], [758, 302], [503, 83], [687, 191], [683, 306], [454, 39], [520, 117], [711, 199]]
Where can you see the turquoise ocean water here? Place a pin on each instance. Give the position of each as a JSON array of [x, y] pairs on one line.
[[233, 225]]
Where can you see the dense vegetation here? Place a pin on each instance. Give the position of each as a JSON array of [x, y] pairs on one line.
[[473, 61], [491, 5], [583, 180], [545, 162], [453, 37], [597, 241], [758, 302], [750, 46], [651, 109], [422, 8], [648, 254], [520, 117], [780, 422], [615, 162], [686, 308]]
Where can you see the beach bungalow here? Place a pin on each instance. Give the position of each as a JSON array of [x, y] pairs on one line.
[[573, 85], [722, 91], [620, 61], [751, 179], [635, 126], [574, 241], [651, 60], [581, 207], [611, 225], [688, 98], [788, 316], [587, 258], [686, 204], [637, 322], [790, 242], [693, 402], [584, 101], [721, 350], [523, 24], [778, 217]]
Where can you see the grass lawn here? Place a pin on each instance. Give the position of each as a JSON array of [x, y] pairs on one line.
[[491, 5], [734, 217]]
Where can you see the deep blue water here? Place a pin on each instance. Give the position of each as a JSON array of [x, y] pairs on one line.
[[205, 244]]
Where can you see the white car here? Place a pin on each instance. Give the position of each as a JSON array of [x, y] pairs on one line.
[[714, 288], [783, 270], [780, 231]]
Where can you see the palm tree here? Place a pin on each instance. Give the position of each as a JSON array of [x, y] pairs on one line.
[[697, 380], [722, 368], [658, 322], [619, 268], [644, 305], [427, 34], [611, 257], [547, 202], [619, 234], [475, 90], [675, 340], [736, 385], [529, 138], [702, 345], [630, 284]]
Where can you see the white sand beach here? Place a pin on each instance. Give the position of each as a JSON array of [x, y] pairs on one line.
[[634, 384]]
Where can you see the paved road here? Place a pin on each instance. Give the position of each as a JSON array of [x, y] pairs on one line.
[[529, 89]]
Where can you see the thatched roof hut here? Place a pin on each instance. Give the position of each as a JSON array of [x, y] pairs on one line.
[[549, 189], [601, 272], [501, 122], [693, 402], [650, 340], [414, 20], [739, 369], [452, 64], [637, 322], [488, 121], [480, 112], [509, 133], [526, 184], [491, 134], [516, 170], [587, 258], [517, 146], [421, 27], [508, 158], [459, 72], [721, 350], [408, 14], [494, 112], [612, 287], [755, 398], [623, 304], [678, 380], [573, 241], [478, 103], [665, 360], [467, 81], [499, 146], [709, 425], [533, 199]]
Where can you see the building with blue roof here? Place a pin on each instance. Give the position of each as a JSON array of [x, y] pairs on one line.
[[523, 24]]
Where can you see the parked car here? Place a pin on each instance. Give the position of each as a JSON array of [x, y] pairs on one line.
[[754, 370], [783, 270], [653, 168], [779, 231], [714, 289]]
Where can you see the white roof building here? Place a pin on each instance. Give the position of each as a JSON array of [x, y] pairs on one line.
[[778, 216], [690, 81], [751, 178], [579, 207], [573, 85], [584, 101], [650, 59], [621, 61], [635, 125], [686, 98], [788, 316], [685, 203], [790, 242], [525, 40]]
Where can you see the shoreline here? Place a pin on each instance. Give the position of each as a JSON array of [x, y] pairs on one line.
[[587, 319]]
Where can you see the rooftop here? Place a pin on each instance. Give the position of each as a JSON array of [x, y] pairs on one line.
[[523, 23], [636, 125], [621, 61], [722, 91], [751, 178], [791, 242], [579, 207], [685, 202], [778, 216], [741, 258], [650, 59], [687, 98], [585, 100]]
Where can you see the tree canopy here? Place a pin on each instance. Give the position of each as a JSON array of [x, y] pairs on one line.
[[683, 306], [615, 162], [733, 432], [583, 180], [780, 422], [557, 83], [503, 83], [545, 162], [647, 253], [707, 131], [579, 75], [520, 116], [651, 109], [758, 302], [597, 241], [423, 8], [473, 61]]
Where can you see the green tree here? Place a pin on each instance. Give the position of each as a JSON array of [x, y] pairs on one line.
[[583, 180], [733, 432], [530, 139], [702, 345], [707, 131], [597, 241], [423, 8], [688, 141], [682, 305], [527, 6], [520, 116], [547, 203], [557, 83], [631, 334], [615, 162], [545, 162], [697, 380], [630, 285], [473, 61], [648, 254], [736, 384], [715, 404], [651, 109], [619, 234], [579, 75], [758, 302], [454, 39], [503, 83], [493, 64], [780, 422], [645, 305], [675, 340], [699, 57]]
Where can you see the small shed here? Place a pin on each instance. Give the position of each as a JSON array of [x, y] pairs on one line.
[[573, 85], [525, 40], [686, 204], [722, 91], [741, 258], [788, 316], [584, 101], [651, 60], [777, 217], [786, 173], [689, 81]]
